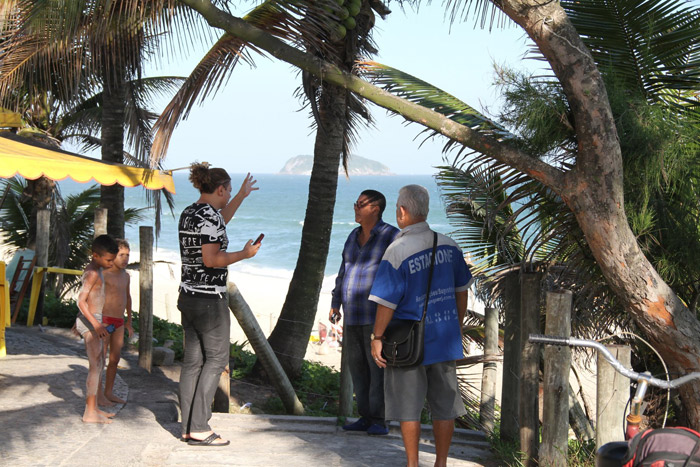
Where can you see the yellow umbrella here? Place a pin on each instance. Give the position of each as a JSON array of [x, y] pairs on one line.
[[32, 162]]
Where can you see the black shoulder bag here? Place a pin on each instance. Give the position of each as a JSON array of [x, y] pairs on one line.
[[403, 338]]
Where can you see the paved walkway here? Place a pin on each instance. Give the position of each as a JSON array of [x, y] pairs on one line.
[[42, 400]]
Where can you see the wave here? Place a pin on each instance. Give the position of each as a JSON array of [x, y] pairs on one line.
[[262, 271]]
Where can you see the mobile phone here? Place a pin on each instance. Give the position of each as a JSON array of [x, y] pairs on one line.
[[110, 328], [335, 317], [259, 239]]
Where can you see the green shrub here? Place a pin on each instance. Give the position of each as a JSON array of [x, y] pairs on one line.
[[60, 313], [164, 330], [242, 361], [581, 454], [317, 388]]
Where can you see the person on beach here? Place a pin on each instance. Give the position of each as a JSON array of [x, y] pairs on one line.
[[117, 300], [400, 291], [362, 253], [91, 300], [202, 295]]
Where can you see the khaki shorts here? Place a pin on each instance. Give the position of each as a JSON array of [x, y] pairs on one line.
[[83, 325], [436, 382]]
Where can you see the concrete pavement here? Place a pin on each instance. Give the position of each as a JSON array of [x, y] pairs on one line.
[[42, 384]]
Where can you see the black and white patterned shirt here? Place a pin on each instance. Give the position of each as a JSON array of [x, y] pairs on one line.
[[201, 224]]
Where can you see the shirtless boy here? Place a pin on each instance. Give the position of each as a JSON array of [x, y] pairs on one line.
[[117, 299], [91, 300]]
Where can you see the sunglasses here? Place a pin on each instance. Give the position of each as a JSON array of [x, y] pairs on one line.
[[360, 206]]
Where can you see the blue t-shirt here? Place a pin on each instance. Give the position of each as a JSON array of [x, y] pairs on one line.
[[402, 280]]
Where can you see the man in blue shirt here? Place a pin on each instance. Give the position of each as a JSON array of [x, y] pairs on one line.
[[400, 291], [362, 253]]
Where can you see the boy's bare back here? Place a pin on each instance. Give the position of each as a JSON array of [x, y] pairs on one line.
[[117, 283]]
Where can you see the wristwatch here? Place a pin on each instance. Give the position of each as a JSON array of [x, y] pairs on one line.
[[376, 338]]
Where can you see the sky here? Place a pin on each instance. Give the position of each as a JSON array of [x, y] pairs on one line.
[[254, 124]]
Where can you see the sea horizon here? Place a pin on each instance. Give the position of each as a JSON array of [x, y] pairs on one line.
[[277, 209]]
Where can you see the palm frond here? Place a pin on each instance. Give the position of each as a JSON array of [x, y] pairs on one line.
[[651, 45], [485, 13], [423, 93], [300, 22]]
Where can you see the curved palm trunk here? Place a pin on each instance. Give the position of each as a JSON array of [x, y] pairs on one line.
[[593, 190], [663, 319], [113, 150], [290, 337]]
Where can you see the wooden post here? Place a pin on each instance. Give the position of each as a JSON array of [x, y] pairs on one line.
[[146, 297], [43, 228], [4, 306], [489, 378], [100, 221], [262, 348], [530, 365], [510, 387], [613, 391], [222, 396], [557, 366], [346, 388]]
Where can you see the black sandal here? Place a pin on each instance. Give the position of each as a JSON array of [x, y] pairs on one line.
[[209, 441]]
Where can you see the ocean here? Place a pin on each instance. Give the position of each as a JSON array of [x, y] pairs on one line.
[[277, 209]]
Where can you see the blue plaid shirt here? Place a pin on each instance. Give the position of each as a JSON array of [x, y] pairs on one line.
[[357, 273]]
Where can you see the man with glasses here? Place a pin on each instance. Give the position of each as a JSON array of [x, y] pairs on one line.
[[362, 254]]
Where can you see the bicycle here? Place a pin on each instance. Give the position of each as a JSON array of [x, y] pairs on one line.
[[612, 454]]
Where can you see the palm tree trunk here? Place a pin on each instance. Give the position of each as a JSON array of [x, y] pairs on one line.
[[113, 149], [41, 192], [290, 337]]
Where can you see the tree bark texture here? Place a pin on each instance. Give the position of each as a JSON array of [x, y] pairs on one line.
[[41, 192], [592, 189], [290, 337], [112, 197]]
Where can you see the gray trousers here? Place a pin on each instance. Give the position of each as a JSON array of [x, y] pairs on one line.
[[367, 377], [207, 326]]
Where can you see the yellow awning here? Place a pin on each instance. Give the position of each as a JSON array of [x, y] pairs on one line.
[[32, 162]]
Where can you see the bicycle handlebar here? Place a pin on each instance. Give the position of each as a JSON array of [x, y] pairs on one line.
[[619, 367]]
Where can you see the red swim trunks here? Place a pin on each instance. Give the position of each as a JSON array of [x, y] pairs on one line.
[[117, 322]]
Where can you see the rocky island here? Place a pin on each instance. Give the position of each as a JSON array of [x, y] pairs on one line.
[[301, 165]]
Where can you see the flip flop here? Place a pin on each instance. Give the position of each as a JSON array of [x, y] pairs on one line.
[[209, 441]]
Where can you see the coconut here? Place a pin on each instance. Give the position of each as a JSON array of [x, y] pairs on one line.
[[349, 22], [354, 7], [338, 33]]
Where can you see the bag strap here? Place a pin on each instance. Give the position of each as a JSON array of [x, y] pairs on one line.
[[430, 275]]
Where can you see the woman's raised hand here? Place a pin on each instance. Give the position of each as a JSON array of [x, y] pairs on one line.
[[248, 185]]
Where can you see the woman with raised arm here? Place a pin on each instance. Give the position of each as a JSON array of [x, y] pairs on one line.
[[202, 300]]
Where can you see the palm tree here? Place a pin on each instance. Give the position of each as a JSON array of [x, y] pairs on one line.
[[78, 51], [336, 114]]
